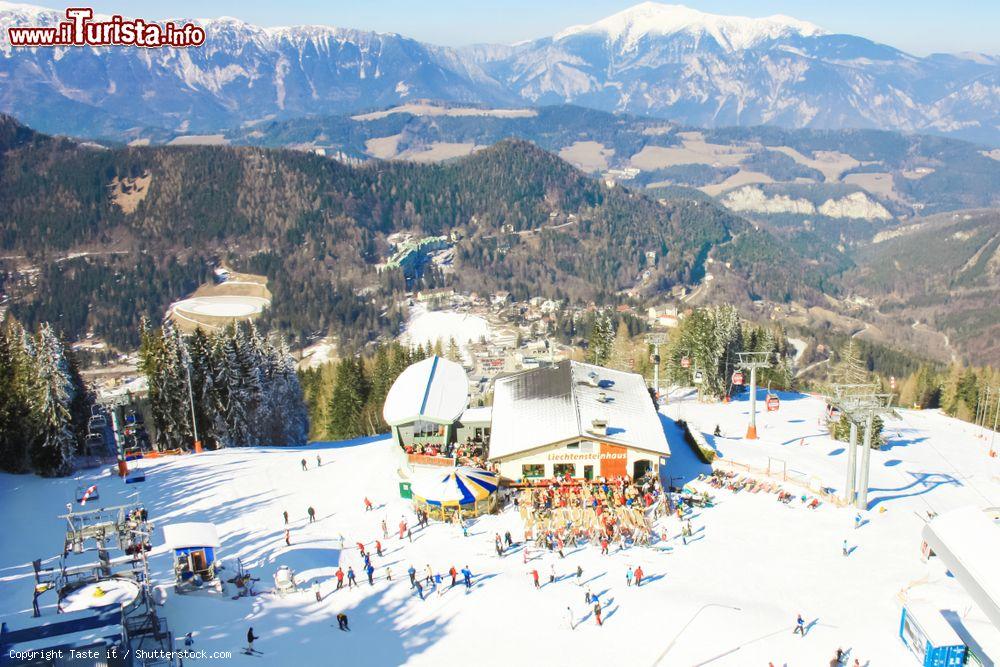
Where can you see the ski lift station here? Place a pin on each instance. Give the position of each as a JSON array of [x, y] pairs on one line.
[[194, 546]]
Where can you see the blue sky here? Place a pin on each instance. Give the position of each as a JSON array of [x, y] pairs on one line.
[[917, 26]]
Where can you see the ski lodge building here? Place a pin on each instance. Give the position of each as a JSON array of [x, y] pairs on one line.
[[575, 419]]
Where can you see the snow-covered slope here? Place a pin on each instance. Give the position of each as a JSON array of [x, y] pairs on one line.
[[729, 597], [628, 27]]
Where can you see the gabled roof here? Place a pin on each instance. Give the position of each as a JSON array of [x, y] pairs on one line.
[[559, 403], [434, 390]]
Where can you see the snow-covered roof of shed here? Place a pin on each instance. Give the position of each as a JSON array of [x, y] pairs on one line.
[[559, 403], [191, 534], [434, 390], [477, 415]]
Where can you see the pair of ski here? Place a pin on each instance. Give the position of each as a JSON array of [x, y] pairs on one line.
[[252, 651]]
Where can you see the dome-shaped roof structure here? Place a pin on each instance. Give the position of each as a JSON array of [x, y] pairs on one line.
[[457, 486], [434, 390]]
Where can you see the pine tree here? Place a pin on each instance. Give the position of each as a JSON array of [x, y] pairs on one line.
[[288, 395], [18, 422], [454, 354], [348, 400], [602, 340], [622, 351], [52, 452], [851, 369]]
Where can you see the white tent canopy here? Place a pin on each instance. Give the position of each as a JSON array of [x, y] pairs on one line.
[[434, 390]]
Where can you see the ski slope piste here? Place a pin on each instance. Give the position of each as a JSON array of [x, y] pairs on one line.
[[729, 596]]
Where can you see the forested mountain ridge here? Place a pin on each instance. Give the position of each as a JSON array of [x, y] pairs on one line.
[[529, 223]]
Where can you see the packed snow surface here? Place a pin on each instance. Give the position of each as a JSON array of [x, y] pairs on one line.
[[426, 327], [729, 597], [221, 306]]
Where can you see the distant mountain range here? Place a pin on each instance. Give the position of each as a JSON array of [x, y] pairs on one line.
[[657, 60]]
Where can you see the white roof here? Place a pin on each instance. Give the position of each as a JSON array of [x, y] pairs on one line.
[[434, 390], [183, 535], [477, 415], [967, 541], [928, 616], [559, 403]]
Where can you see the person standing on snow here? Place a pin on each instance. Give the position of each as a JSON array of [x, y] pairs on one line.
[[340, 578], [638, 576], [288, 538], [378, 548], [351, 580], [552, 573], [454, 573], [371, 574], [534, 575], [467, 576], [845, 550], [429, 576], [312, 514], [250, 639], [304, 467], [319, 461], [800, 626], [628, 576], [285, 514], [413, 576], [420, 590], [368, 504], [579, 575], [597, 612], [342, 621], [569, 613], [385, 530]]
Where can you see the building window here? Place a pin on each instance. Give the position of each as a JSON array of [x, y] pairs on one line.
[[573, 445], [533, 470], [563, 469]]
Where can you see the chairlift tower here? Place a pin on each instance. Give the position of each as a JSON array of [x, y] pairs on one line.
[[880, 405], [751, 361], [849, 399], [656, 340]]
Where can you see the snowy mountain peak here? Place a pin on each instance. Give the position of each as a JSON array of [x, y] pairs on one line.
[[653, 18]]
